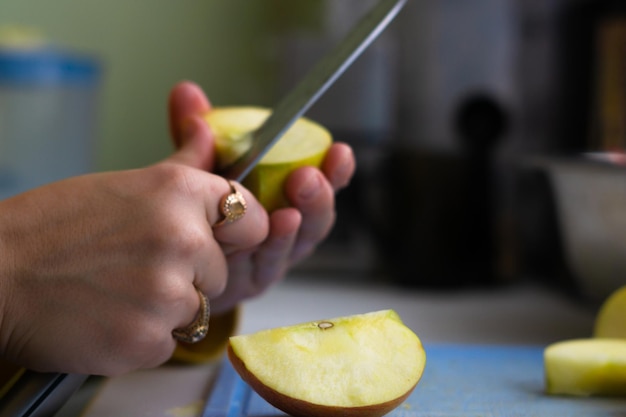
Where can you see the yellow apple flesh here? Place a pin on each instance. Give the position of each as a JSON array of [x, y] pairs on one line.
[[584, 367], [304, 144], [363, 365], [611, 318]]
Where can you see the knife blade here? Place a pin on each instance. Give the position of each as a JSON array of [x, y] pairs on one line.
[[313, 85]]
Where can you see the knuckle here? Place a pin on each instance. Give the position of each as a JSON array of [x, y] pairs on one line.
[[176, 237], [176, 178], [146, 344], [167, 292], [191, 240]]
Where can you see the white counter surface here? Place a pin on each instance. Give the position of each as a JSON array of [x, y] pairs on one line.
[[520, 314], [516, 314]]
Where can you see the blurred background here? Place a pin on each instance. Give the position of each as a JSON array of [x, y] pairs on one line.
[[473, 121]]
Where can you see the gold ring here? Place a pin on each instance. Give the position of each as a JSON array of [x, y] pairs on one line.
[[199, 328], [232, 206]]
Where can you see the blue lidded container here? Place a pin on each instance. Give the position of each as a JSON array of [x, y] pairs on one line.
[[48, 116]]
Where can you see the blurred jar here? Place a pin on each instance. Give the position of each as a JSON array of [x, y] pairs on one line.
[[48, 112]]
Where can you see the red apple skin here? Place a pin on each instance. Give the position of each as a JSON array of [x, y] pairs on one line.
[[300, 408]]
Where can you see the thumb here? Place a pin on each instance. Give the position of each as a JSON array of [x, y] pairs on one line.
[[197, 145]]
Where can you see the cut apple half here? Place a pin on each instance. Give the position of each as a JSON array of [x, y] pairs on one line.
[[304, 144], [363, 365], [585, 367]]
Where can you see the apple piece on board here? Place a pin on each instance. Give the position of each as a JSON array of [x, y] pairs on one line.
[[304, 144], [362, 365], [585, 367], [611, 318]]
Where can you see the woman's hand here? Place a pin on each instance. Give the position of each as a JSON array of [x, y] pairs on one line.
[[294, 232], [96, 271]]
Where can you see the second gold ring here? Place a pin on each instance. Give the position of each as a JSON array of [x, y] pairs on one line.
[[199, 328]]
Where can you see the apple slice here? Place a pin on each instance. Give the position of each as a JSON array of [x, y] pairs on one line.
[[363, 365], [584, 367], [611, 318], [305, 143]]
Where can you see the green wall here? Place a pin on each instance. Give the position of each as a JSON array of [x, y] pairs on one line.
[[145, 47]]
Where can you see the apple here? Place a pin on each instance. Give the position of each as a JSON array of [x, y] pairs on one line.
[[362, 365], [611, 318], [583, 367], [596, 365], [304, 143]]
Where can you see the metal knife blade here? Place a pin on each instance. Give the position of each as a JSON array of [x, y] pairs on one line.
[[313, 85]]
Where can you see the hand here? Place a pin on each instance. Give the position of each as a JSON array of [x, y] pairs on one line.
[[294, 232], [96, 271]]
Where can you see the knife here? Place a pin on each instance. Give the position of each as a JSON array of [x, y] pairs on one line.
[[313, 85]]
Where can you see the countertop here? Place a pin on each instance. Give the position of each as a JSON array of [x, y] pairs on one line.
[[513, 314]]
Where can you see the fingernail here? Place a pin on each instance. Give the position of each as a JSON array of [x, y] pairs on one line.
[[310, 188]]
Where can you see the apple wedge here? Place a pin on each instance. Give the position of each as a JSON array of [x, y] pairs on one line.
[[304, 143], [363, 365], [611, 318], [585, 367]]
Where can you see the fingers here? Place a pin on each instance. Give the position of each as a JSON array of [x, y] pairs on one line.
[[186, 100], [339, 165], [294, 232], [275, 258], [196, 145], [246, 232], [310, 192], [270, 262], [252, 272], [190, 133]]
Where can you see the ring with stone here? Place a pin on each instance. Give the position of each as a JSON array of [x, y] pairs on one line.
[[232, 206]]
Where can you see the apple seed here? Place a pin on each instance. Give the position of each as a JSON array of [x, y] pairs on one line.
[[324, 325]]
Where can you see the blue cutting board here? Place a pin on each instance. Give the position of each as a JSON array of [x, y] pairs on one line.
[[459, 381]]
